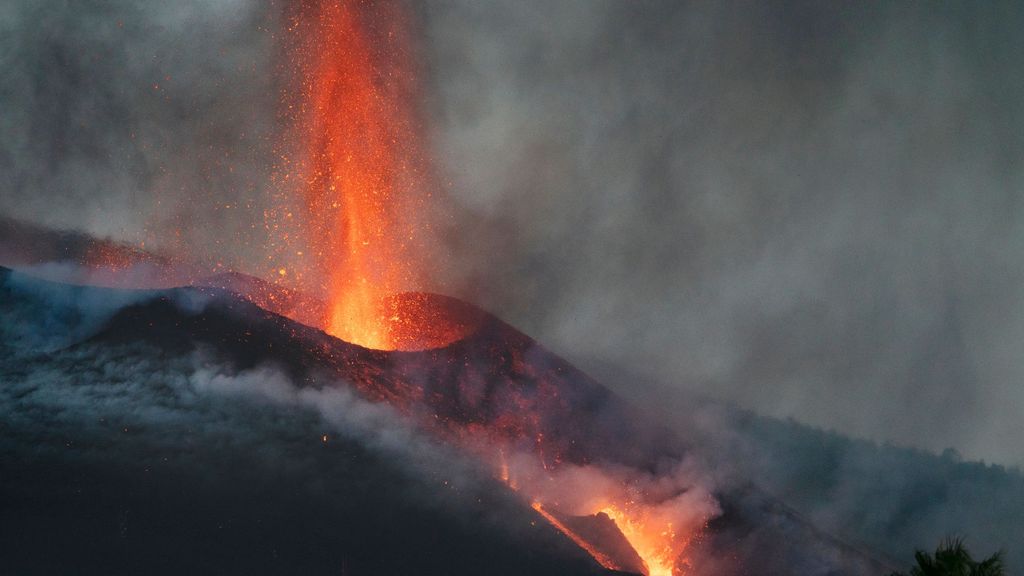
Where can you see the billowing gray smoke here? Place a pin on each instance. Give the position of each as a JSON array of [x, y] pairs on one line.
[[140, 121], [812, 210]]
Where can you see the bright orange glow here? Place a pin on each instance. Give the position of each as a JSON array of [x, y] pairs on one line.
[[503, 474], [648, 528], [654, 539], [357, 173]]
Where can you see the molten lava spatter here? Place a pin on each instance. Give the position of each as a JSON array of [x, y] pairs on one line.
[[648, 529], [357, 173], [654, 539], [349, 228]]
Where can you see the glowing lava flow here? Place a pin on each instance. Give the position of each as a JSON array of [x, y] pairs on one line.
[[655, 542], [658, 532], [357, 171]]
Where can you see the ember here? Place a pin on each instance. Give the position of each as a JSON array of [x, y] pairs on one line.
[[349, 217]]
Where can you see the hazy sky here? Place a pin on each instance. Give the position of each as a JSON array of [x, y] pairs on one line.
[[813, 210]]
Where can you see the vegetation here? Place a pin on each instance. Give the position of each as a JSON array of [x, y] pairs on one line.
[[952, 558]]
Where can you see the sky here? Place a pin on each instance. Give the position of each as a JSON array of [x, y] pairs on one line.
[[811, 210]]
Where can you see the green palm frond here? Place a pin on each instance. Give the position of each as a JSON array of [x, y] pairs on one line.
[[992, 566], [952, 558]]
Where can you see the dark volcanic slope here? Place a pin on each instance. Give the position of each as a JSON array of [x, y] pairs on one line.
[[146, 422], [129, 452], [498, 381]]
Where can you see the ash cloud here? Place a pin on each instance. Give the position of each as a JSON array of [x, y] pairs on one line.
[[138, 121], [810, 210]]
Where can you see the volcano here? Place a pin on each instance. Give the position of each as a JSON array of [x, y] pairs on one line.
[[536, 429]]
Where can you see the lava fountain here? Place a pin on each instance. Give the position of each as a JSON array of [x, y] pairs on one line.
[[349, 227], [349, 221]]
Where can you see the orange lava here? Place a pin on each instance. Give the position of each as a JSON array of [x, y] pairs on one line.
[[648, 528], [357, 171], [653, 539]]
